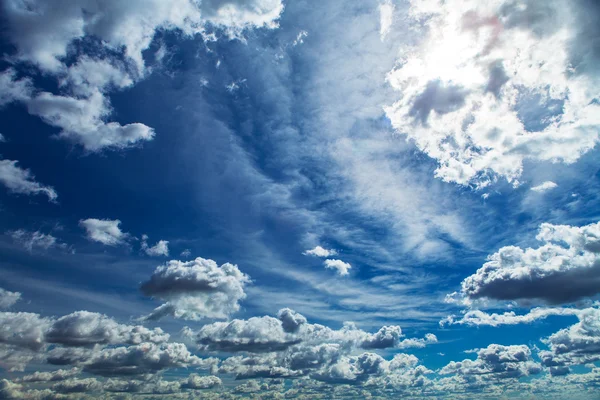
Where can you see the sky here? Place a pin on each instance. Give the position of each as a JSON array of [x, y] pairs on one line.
[[269, 199]]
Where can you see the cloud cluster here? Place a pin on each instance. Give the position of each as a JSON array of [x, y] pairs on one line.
[[577, 344], [497, 361], [196, 289], [110, 38], [493, 84], [565, 268]]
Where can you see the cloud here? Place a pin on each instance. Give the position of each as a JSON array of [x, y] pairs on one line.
[[82, 121], [257, 334], [21, 181], [25, 330], [161, 248], [291, 321], [52, 376], [196, 289], [44, 37], [320, 252], [8, 299], [386, 18], [543, 187], [497, 361], [186, 253], [340, 266], [195, 381], [104, 231], [145, 358], [86, 385], [486, 88], [564, 269], [37, 239], [481, 318], [577, 344], [84, 328], [13, 89]]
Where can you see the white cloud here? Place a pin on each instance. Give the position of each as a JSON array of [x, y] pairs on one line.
[[21, 181], [481, 318], [161, 248], [8, 299], [37, 239], [565, 268], [577, 344], [82, 121], [496, 361], [320, 252], [12, 89], [468, 88], [340, 266], [105, 231], [196, 289], [543, 187], [52, 376], [386, 18], [195, 381], [2, 138]]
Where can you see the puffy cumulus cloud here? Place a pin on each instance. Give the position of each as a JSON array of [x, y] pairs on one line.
[[21, 181], [53, 376], [565, 268], [145, 358], [544, 187], [8, 299], [387, 336], [340, 266], [104, 231], [495, 83], [23, 329], [84, 328], [37, 239], [70, 355], [320, 252], [161, 248], [497, 361], [291, 320], [578, 344], [196, 289], [257, 334], [481, 318], [195, 381], [45, 36]]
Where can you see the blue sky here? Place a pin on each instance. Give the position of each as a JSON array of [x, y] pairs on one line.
[[269, 198]]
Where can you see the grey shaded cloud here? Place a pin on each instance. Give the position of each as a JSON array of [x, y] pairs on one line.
[[196, 289], [564, 269], [8, 299], [439, 98]]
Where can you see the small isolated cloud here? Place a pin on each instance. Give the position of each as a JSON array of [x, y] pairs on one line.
[[161, 248], [548, 185], [564, 269], [386, 18], [36, 240], [196, 289], [8, 299], [320, 252], [22, 181], [186, 253], [104, 231], [2, 138], [340, 266], [299, 38]]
